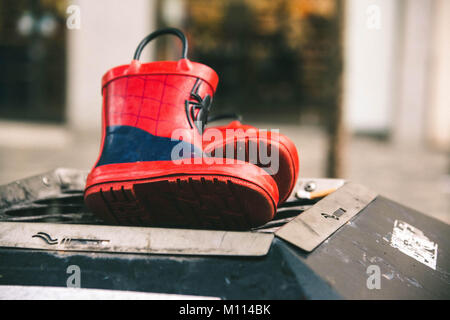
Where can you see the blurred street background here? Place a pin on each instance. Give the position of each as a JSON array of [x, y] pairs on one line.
[[361, 86]]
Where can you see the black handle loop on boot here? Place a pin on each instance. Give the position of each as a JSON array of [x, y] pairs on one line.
[[158, 33]]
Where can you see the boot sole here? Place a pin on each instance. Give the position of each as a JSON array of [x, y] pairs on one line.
[[183, 201], [287, 174]]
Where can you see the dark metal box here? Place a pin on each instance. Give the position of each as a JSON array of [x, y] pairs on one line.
[[352, 244]]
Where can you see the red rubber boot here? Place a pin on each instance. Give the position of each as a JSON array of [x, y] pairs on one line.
[[285, 173], [148, 174]]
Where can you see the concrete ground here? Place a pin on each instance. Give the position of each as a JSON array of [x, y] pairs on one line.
[[416, 177]]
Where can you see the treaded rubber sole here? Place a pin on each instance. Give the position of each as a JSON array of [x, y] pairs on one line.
[[284, 175], [191, 201]]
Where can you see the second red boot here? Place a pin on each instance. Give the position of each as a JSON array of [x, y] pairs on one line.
[[285, 172]]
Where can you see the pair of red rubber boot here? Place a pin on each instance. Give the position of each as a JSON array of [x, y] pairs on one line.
[[159, 166]]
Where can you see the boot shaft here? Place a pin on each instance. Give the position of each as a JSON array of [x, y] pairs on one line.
[[146, 104], [158, 97]]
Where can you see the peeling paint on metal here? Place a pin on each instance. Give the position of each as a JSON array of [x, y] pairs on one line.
[[412, 242]]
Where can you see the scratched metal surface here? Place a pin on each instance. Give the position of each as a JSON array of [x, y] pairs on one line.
[[343, 259], [55, 196], [309, 229], [336, 269]]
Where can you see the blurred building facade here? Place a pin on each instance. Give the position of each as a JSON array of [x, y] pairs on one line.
[[397, 66], [395, 57], [108, 35]]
